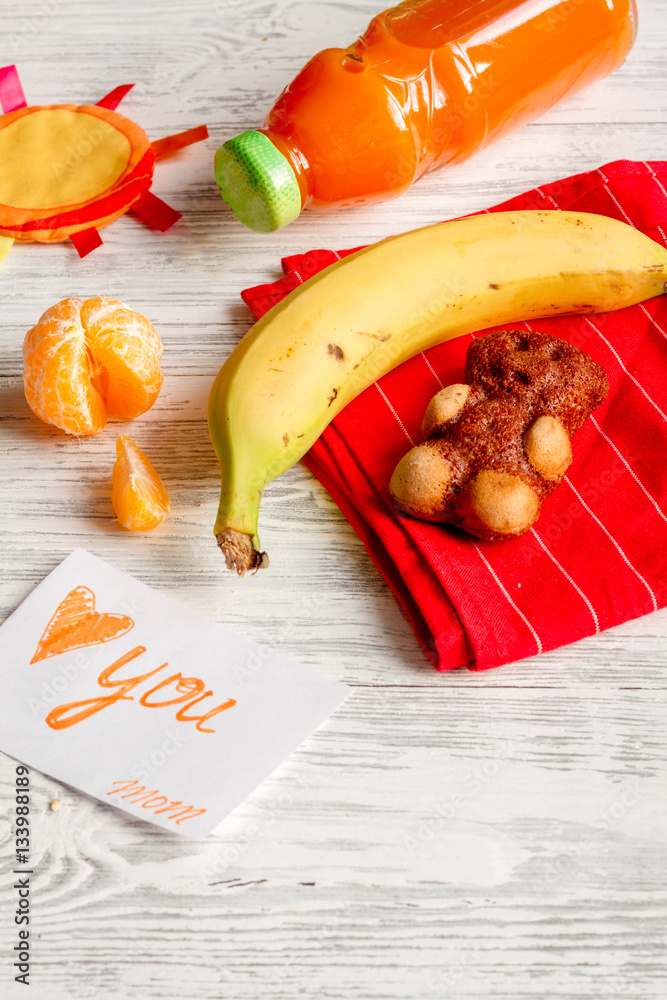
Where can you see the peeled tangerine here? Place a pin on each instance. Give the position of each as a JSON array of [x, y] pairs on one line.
[[86, 361], [138, 497]]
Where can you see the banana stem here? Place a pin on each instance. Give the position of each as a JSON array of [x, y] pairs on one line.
[[240, 552], [236, 529]]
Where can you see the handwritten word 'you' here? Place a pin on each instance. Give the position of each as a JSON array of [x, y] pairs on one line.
[[172, 690]]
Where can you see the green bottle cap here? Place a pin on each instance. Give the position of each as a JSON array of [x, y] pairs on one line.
[[258, 182]]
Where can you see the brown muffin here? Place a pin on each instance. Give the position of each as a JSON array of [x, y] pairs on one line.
[[499, 443]]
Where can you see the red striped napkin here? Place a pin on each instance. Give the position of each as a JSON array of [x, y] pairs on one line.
[[597, 556]]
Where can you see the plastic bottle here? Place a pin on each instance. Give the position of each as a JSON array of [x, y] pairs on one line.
[[428, 83]]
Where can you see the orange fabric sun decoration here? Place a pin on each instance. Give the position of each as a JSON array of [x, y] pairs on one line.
[[66, 170]]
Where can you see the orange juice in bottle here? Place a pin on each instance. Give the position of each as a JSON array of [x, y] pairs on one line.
[[428, 83]]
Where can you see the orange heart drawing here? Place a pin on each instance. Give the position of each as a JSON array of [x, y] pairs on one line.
[[75, 623]]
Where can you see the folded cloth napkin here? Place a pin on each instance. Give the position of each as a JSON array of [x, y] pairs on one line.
[[597, 556]]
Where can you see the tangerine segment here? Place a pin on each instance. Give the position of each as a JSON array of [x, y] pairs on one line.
[[57, 374], [128, 349], [64, 312], [85, 361], [138, 497]]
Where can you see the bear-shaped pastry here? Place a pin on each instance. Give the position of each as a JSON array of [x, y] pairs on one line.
[[499, 443]]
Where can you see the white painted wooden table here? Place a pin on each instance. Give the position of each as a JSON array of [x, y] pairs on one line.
[[345, 875]]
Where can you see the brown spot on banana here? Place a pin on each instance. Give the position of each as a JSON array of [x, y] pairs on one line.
[[335, 351], [382, 337]]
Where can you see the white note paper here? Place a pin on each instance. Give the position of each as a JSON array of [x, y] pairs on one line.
[[109, 686]]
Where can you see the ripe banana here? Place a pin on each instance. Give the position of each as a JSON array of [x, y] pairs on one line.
[[364, 315]]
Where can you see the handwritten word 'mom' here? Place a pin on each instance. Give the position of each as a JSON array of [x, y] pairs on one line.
[[155, 801]]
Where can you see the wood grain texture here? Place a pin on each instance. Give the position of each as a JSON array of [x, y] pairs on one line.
[[498, 835]]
